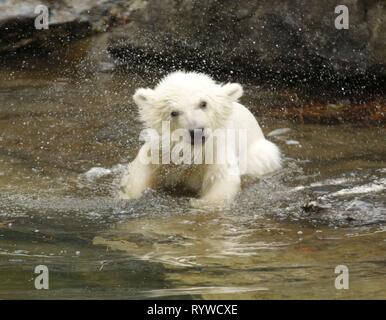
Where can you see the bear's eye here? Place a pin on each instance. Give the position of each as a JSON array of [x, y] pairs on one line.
[[203, 104], [174, 114]]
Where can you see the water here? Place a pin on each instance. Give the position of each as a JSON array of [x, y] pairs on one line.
[[67, 130]]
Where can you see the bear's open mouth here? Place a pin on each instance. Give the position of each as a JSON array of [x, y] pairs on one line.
[[197, 136], [197, 141]]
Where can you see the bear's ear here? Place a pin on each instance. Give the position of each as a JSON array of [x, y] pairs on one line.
[[143, 97], [233, 90]]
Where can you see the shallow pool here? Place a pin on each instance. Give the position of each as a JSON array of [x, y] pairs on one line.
[[65, 137]]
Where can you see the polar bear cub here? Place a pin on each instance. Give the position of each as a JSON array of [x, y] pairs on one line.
[[200, 160]]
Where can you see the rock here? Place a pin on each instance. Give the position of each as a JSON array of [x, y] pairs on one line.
[[68, 20], [282, 42], [313, 207], [295, 41], [17, 25]]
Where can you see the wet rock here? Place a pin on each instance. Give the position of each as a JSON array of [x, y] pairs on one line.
[[309, 70], [295, 41], [68, 20], [354, 203], [17, 25], [313, 207]]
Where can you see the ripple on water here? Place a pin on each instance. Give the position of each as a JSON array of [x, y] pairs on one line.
[[359, 199]]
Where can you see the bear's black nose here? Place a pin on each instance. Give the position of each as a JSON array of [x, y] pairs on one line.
[[197, 135]]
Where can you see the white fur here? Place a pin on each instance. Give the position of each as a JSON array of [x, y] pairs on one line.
[[183, 92]]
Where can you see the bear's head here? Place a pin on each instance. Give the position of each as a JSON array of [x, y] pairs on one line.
[[187, 100]]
